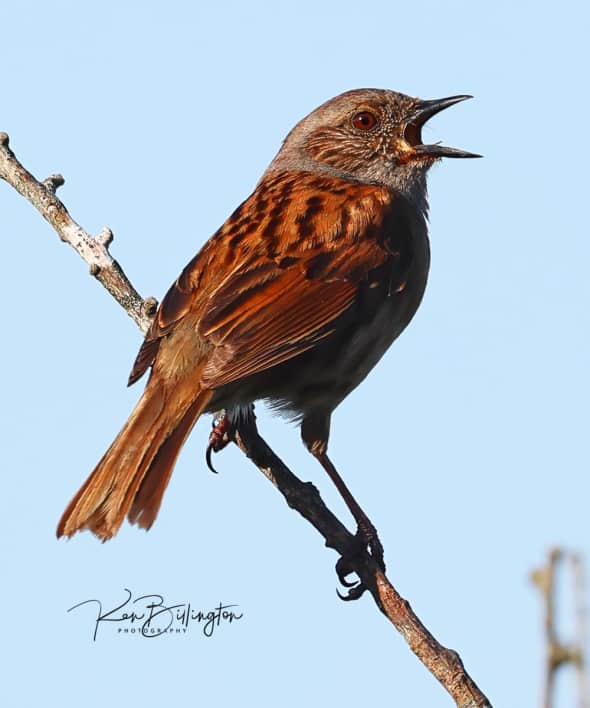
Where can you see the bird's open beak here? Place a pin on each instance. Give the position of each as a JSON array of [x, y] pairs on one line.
[[423, 111]]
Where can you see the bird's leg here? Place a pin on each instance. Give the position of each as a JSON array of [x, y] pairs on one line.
[[366, 535], [366, 532], [225, 422], [219, 436]]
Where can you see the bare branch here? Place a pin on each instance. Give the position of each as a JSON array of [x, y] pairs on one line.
[[445, 664], [95, 251]]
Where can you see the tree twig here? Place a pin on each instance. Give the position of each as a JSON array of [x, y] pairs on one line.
[[558, 653], [445, 664], [95, 251], [581, 629]]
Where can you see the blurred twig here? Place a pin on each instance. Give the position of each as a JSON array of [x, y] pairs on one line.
[[558, 652], [579, 583]]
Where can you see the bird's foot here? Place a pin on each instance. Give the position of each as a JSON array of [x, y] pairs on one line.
[[226, 423], [219, 437], [365, 540]]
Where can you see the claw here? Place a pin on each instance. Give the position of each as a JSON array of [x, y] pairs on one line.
[[218, 438], [365, 540], [343, 569], [353, 594], [225, 424], [208, 452]]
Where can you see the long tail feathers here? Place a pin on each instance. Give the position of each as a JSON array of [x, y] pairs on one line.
[[132, 476]]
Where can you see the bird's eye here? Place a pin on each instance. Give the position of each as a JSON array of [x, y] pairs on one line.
[[365, 120]]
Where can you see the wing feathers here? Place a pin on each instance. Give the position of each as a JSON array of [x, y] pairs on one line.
[[272, 281]]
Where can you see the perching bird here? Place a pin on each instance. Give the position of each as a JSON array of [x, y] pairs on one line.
[[294, 299]]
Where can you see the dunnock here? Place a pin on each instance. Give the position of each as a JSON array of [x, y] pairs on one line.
[[294, 300]]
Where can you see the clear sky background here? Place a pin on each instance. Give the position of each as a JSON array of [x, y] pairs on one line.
[[467, 446]]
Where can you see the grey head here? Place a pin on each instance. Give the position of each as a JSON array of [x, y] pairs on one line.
[[368, 135]]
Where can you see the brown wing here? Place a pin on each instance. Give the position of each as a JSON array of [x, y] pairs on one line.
[[285, 265], [176, 304]]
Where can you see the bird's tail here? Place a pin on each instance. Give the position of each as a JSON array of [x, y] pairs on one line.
[[132, 476]]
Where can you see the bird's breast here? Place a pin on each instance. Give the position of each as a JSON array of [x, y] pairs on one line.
[[380, 322], [384, 308]]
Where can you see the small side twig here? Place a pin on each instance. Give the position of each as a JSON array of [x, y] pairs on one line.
[[445, 664], [95, 251]]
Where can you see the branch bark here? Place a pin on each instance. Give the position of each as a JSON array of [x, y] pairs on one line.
[[445, 664], [94, 250]]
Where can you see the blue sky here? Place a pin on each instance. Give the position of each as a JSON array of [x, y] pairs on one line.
[[162, 116]]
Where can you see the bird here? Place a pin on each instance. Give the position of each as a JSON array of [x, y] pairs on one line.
[[292, 301]]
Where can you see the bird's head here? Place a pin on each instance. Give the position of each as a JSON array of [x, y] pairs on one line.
[[368, 135]]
